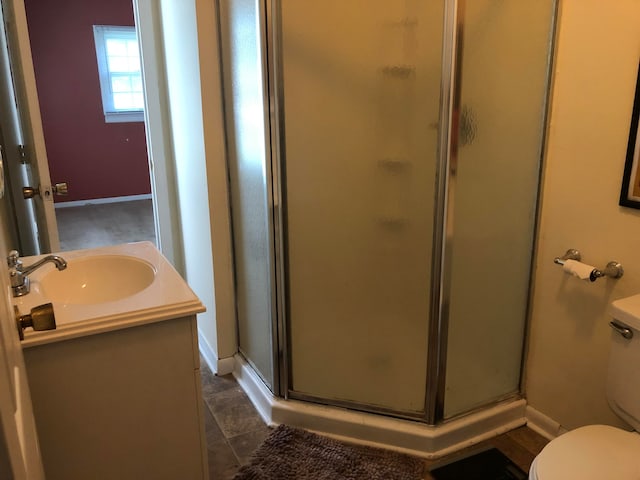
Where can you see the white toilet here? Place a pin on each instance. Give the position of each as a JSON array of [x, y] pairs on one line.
[[600, 451]]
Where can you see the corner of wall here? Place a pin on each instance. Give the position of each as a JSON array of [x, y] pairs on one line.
[[194, 86], [217, 176]]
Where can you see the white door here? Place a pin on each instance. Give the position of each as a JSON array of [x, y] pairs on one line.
[[23, 137], [19, 451]]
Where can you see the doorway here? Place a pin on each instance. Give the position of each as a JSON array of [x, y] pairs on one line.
[[104, 164]]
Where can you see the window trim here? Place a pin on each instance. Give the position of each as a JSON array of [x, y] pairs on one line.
[[110, 114]]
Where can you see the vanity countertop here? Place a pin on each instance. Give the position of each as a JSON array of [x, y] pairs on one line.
[[167, 296]]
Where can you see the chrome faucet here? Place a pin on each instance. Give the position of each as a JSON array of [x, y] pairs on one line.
[[18, 272]]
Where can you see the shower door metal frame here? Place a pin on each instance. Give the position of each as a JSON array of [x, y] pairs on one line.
[[434, 395], [274, 203], [452, 44], [275, 89]]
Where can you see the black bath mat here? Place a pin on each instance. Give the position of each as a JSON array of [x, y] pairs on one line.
[[487, 465]]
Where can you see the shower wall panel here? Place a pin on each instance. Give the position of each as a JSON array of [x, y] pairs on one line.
[[249, 177]]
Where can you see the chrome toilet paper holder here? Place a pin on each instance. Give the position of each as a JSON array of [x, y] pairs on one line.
[[613, 269]]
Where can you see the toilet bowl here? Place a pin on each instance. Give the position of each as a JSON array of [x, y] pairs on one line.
[[603, 452], [595, 452]]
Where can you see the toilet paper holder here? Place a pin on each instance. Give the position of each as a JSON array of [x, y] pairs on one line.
[[612, 270]]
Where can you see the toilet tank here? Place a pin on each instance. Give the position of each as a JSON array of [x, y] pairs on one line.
[[623, 380]]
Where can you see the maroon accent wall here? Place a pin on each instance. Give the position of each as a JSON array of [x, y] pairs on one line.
[[96, 159]]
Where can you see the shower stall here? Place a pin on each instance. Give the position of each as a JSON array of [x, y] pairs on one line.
[[384, 168]]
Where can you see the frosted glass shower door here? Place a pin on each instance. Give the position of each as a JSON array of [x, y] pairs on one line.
[[505, 67], [361, 102]]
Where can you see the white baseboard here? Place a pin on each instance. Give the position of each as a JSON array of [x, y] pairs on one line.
[[219, 366], [209, 355], [543, 425], [255, 389], [226, 365], [97, 201], [377, 430]]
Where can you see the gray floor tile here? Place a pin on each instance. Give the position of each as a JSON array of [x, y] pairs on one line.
[[219, 400], [215, 384], [244, 445], [235, 420], [212, 430], [233, 411], [223, 464]]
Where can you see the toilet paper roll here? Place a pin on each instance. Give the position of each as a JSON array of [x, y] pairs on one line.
[[578, 269]]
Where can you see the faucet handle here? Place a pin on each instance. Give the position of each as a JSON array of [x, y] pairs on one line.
[[13, 260]]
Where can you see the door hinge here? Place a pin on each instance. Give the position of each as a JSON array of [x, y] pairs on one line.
[[23, 154]]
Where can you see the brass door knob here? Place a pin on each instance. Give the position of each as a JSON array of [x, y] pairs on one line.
[[60, 188], [30, 192], [40, 318]]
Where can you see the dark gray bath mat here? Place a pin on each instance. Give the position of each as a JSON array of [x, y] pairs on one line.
[[490, 464], [291, 453]]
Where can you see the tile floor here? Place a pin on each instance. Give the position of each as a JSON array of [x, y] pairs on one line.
[[234, 427], [234, 430]]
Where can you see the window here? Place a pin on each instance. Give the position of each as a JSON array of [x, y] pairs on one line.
[[119, 69]]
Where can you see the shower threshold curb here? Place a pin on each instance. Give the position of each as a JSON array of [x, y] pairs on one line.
[[404, 436]]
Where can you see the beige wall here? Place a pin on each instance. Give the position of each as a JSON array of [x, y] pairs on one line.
[[596, 64], [193, 86], [218, 188]]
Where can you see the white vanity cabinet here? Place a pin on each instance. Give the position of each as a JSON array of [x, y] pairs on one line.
[[121, 404], [116, 386]]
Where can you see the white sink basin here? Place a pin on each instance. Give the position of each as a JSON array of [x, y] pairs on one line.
[[97, 279], [105, 289]]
